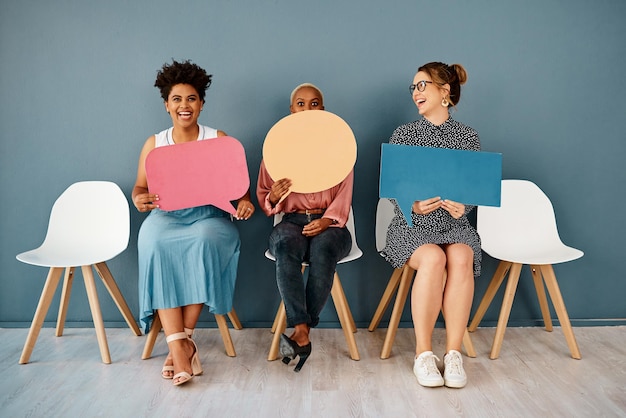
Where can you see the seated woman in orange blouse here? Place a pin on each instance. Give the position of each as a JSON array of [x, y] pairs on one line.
[[313, 231]]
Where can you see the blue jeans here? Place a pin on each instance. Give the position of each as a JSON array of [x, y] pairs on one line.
[[304, 304]]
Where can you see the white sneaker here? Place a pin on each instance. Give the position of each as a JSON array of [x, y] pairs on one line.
[[453, 374], [426, 371]]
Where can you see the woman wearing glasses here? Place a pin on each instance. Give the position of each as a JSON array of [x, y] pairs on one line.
[[441, 238]]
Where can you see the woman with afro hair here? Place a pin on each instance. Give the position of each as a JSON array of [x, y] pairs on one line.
[[187, 258]]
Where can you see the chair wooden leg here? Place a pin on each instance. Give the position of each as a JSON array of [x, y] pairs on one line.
[[151, 337], [94, 304], [228, 342], [234, 319], [541, 296], [68, 280], [403, 291], [559, 306], [275, 324], [469, 345], [505, 310], [391, 288], [492, 289], [52, 281], [344, 304], [280, 325], [344, 317], [109, 282]]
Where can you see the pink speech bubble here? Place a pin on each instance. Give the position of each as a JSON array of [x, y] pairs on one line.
[[207, 172]]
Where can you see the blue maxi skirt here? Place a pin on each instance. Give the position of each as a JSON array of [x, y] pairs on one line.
[[186, 257]]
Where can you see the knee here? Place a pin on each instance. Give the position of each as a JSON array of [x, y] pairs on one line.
[[429, 257], [281, 243], [279, 246], [460, 256]]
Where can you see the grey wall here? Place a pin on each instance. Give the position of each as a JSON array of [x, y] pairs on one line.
[[546, 88]]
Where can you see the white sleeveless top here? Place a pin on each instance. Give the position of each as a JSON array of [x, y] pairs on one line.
[[165, 137]]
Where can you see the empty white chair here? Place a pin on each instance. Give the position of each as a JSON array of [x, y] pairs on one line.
[[523, 231], [337, 293], [89, 225]]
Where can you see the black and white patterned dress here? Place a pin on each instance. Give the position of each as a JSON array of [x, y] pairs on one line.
[[438, 227]]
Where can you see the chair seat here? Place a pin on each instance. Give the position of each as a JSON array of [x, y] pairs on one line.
[[539, 255], [74, 255], [355, 253]]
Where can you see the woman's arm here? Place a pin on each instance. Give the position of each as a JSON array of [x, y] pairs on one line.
[[142, 199]]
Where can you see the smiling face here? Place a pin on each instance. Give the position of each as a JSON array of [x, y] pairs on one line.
[[184, 105], [306, 98], [428, 102]]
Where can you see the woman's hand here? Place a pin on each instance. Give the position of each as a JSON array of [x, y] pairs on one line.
[[245, 209], [424, 207], [316, 227], [278, 190], [456, 210], [145, 202]]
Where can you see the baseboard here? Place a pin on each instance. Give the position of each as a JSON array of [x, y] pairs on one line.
[[595, 322]]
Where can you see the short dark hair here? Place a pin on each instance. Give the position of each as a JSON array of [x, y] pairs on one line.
[[182, 73], [454, 75]]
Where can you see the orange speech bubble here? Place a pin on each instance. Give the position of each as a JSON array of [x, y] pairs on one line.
[[314, 149], [207, 172]]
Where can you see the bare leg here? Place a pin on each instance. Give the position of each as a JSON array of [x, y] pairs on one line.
[[190, 313], [174, 321], [458, 293], [427, 293]]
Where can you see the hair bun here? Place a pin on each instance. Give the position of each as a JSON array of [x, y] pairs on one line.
[[460, 73]]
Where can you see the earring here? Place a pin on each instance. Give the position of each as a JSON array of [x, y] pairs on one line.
[[444, 102]]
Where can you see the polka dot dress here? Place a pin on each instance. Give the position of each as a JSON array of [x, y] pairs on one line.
[[438, 227]]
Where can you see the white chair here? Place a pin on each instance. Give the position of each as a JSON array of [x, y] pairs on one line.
[[339, 299], [89, 225], [523, 231], [400, 281]]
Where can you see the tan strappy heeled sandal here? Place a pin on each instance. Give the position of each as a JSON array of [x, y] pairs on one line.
[[167, 372], [196, 368]]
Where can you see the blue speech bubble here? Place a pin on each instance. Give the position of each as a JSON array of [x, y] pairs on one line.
[[409, 173]]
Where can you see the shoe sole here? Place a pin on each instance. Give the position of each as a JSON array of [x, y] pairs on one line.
[[430, 384], [455, 385]]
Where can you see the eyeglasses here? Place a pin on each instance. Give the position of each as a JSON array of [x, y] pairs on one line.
[[420, 86]]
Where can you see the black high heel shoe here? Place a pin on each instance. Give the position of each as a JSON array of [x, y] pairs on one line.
[[289, 349]]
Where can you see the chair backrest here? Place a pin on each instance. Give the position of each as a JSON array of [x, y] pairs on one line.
[[523, 224], [89, 223], [355, 251], [384, 215]]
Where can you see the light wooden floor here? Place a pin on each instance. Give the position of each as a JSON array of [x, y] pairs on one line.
[[535, 376]]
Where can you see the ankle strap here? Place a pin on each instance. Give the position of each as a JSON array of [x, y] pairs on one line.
[[189, 332], [176, 336]]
